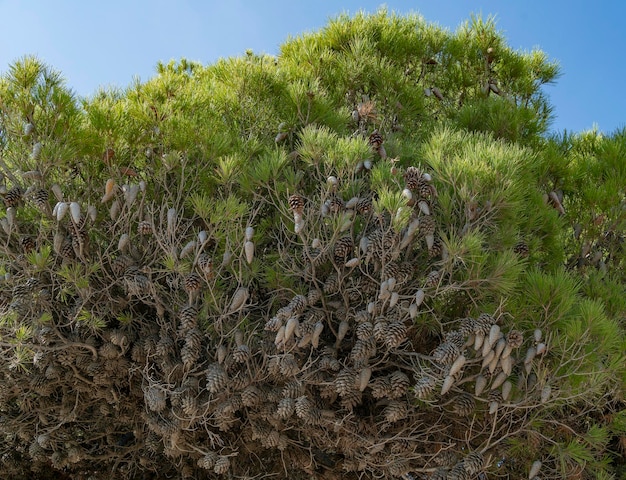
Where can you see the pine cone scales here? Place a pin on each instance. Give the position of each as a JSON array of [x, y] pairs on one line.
[[296, 203]]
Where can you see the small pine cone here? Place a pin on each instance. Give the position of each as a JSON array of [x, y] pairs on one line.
[[446, 353], [380, 329], [314, 256], [432, 280], [395, 411], [121, 264], [351, 399], [474, 462], [166, 345], [467, 326], [464, 405], [222, 465], [483, 324], [364, 206], [298, 304], [364, 330], [67, 249], [399, 384], [424, 386], [521, 248], [335, 204], [345, 381], [109, 351], [286, 408], [343, 250], [296, 203], [495, 396], [375, 140], [395, 334], [208, 461], [251, 396], [241, 354], [514, 339], [288, 365], [155, 399], [188, 317], [205, 264], [192, 347], [390, 270], [332, 284], [363, 350], [193, 283], [216, 378], [273, 324], [293, 389], [303, 407], [439, 474], [28, 244], [446, 458], [329, 363], [428, 225], [40, 199], [144, 228], [424, 189], [458, 472], [437, 248], [271, 440], [456, 337], [13, 197], [381, 387], [189, 405], [412, 173], [412, 183], [314, 295]]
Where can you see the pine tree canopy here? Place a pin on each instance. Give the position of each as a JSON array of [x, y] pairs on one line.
[[365, 257]]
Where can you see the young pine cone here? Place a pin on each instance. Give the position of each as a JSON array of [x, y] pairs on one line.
[[296, 203]]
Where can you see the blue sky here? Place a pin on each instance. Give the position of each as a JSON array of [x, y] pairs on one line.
[[97, 44]]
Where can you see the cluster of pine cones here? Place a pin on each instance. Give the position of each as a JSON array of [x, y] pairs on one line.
[[128, 366]]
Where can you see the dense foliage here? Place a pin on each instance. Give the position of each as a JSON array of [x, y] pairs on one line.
[[364, 256]]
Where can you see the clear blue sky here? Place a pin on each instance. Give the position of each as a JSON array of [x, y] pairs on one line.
[[95, 43]]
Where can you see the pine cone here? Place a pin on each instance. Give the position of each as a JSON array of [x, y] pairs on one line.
[[222, 465], [375, 140], [381, 387], [474, 462], [514, 339], [188, 317], [464, 405], [521, 248], [40, 199], [296, 203], [458, 472], [28, 244], [432, 280], [395, 334], [193, 283], [363, 350], [144, 228], [395, 411], [446, 353], [427, 225], [335, 204], [216, 378], [298, 304], [399, 384], [13, 197], [424, 387], [288, 365], [364, 330], [251, 396], [364, 206]]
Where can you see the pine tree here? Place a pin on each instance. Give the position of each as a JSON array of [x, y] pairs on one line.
[[362, 257]]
